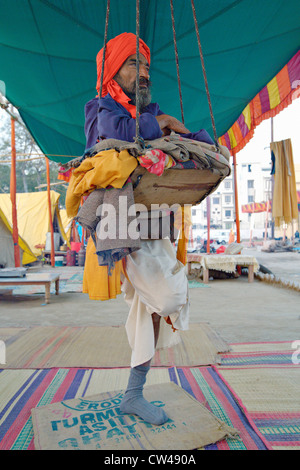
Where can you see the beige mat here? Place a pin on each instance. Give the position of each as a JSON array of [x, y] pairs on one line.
[[268, 389], [45, 347], [95, 422]]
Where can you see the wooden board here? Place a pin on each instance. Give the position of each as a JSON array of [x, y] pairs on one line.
[[174, 186]]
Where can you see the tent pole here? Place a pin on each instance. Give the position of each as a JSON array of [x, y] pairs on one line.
[[13, 191], [50, 213], [208, 224], [237, 216]]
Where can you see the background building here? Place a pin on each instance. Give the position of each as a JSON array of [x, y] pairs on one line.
[[254, 182]]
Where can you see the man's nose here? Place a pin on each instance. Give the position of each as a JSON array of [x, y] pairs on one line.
[[144, 71]]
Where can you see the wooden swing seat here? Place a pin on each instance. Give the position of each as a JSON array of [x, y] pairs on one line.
[[174, 186]]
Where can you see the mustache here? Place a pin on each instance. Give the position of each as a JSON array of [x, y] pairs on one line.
[[145, 81]]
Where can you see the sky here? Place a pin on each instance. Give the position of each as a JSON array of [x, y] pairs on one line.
[[286, 125]]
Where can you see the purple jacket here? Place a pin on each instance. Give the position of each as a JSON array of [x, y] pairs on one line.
[[108, 119]]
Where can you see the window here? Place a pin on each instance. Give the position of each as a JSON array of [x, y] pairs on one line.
[[216, 200], [250, 184], [250, 199], [227, 184], [194, 212], [228, 213], [268, 184], [228, 199]]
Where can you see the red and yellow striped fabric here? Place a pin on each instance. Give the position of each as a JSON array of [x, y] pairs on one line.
[[257, 207], [272, 99]]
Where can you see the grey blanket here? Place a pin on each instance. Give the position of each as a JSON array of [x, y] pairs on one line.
[[180, 148], [109, 215]]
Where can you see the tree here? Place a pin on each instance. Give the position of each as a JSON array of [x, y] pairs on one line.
[[29, 174]]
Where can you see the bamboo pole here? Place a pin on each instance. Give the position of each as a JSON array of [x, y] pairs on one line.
[[13, 196], [208, 224], [50, 214], [236, 199]]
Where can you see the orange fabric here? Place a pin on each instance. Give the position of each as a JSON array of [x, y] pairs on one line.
[[231, 237], [117, 51], [283, 82]]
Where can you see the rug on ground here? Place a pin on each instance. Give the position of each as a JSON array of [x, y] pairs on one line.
[[261, 354], [51, 346], [265, 377], [24, 390], [270, 394]]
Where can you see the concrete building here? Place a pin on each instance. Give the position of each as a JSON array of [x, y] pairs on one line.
[[254, 182]]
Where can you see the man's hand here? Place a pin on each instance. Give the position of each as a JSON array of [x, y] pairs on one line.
[[168, 123]]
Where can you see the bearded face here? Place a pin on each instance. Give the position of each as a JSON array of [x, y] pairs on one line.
[[126, 78]]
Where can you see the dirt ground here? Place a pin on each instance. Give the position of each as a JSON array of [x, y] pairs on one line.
[[239, 311]]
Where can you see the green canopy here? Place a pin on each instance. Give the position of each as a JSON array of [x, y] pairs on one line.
[[48, 50]]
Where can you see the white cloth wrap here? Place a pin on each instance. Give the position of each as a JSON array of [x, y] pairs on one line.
[[158, 283]]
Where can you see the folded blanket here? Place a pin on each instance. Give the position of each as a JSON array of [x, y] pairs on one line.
[[110, 216], [179, 148]]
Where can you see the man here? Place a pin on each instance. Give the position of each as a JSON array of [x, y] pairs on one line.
[[155, 285]]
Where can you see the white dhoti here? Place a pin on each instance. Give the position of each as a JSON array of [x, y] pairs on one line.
[[158, 283]]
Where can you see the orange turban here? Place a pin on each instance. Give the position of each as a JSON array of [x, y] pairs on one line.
[[117, 52]]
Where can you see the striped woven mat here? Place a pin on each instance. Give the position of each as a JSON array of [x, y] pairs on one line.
[[270, 394], [261, 354], [23, 390], [266, 378]]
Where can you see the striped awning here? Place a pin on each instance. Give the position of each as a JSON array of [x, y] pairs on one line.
[[255, 207], [272, 99]]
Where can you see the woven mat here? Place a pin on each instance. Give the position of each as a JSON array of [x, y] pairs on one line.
[[24, 390], [271, 397], [260, 354], [96, 346]]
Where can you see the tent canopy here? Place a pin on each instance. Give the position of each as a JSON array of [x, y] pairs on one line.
[[7, 259], [33, 217], [48, 50]]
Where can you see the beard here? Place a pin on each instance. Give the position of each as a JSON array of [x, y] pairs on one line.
[[145, 93]]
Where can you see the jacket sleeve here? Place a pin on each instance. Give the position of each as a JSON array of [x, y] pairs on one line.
[[118, 125]]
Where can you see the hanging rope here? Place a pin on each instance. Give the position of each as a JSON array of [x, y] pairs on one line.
[[176, 59], [104, 46], [137, 83], [204, 75]]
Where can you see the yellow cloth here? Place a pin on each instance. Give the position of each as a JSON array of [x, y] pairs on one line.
[[284, 206], [107, 168], [96, 281], [183, 222]]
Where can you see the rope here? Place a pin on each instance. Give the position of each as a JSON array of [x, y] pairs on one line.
[[176, 59], [137, 82], [204, 75], [104, 46]]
